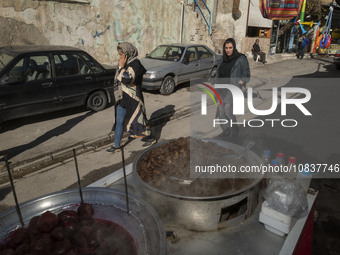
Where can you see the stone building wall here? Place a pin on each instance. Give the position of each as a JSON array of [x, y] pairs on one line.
[[226, 24], [99, 26]]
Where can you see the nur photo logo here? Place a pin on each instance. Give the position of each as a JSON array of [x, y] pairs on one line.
[[204, 97], [239, 101]]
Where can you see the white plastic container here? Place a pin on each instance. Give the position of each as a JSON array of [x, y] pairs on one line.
[[275, 221]]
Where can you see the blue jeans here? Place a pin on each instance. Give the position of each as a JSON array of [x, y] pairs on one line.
[[120, 117]]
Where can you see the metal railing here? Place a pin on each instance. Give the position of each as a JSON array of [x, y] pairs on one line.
[[204, 17]]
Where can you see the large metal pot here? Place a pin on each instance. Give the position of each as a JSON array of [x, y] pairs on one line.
[[142, 223], [199, 213]]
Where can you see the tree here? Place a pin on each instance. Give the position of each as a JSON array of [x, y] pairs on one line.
[[313, 11]]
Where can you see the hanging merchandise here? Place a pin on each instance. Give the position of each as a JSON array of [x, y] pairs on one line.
[[316, 36], [324, 40], [303, 31], [302, 15], [280, 10]]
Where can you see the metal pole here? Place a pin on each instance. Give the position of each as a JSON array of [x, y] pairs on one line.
[[14, 193], [248, 11], [182, 18], [125, 182], [214, 13], [78, 176]]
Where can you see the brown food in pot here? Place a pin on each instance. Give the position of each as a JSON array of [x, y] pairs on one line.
[[167, 168]]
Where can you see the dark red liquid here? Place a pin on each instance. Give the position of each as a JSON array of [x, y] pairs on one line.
[[120, 237]]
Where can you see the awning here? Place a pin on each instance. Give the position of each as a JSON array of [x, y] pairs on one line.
[[255, 18]]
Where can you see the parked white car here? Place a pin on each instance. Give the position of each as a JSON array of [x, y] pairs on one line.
[[171, 64]]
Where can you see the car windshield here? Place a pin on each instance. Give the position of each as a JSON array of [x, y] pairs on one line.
[[166, 52], [4, 59]]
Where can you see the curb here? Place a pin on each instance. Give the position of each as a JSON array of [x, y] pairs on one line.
[[21, 168], [325, 58], [272, 59]]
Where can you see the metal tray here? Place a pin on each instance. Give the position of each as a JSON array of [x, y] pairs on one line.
[[142, 223]]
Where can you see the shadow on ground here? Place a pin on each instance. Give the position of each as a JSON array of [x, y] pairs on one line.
[[68, 125], [159, 119]]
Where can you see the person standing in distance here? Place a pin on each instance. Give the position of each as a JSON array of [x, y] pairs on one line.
[[303, 46], [257, 51]]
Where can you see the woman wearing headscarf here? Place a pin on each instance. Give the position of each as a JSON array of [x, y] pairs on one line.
[[129, 102], [234, 69]]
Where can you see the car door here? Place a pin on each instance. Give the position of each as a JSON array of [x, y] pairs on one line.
[[27, 88], [189, 66], [206, 59], [74, 78]]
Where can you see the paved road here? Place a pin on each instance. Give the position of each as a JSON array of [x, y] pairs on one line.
[[44, 138], [47, 136], [317, 138]]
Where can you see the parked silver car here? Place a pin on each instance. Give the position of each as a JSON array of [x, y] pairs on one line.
[[171, 64]]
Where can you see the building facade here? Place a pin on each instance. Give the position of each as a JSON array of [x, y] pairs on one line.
[[97, 26]]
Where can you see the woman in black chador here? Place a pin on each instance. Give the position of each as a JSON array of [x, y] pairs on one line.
[[234, 69]]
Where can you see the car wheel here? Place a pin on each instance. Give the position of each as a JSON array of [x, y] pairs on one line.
[[168, 86], [212, 74], [97, 101]]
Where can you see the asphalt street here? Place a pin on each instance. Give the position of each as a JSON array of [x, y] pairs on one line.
[[41, 138], [315, 139], [48, 140]]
